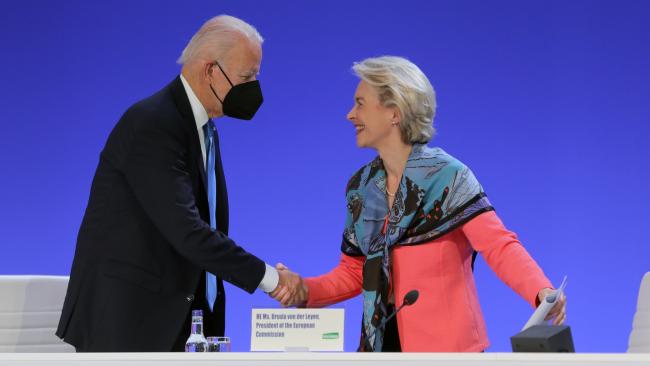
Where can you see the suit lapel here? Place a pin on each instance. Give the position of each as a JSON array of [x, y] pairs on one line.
[[198, 158], [222, 192], [185, 109]]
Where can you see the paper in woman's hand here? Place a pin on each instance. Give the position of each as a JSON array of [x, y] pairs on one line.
[[545, 306]]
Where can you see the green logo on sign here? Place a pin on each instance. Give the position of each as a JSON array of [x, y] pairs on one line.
[[331, 335]]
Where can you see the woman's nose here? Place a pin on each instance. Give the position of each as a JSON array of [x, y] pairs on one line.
[[351, 115]]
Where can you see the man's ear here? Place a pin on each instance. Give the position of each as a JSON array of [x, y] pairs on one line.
[[208, 67]]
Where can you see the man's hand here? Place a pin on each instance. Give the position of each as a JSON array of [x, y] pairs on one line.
[[291, 290], [558, 312]]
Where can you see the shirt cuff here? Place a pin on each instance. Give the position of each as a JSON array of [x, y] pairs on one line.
[[270, 280]]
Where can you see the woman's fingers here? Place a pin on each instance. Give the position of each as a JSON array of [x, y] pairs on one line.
[[286, 299], [275, 292], [558, 312], [279, 292], [560, 319]]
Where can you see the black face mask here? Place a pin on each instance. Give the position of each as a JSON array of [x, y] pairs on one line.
[[243, 100]]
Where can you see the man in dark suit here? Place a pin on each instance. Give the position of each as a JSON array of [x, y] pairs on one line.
[[153, 243]]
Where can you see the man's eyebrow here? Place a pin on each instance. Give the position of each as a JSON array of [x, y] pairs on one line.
[[359, 99]]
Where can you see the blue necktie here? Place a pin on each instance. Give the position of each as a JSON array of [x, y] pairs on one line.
[[208, 130]]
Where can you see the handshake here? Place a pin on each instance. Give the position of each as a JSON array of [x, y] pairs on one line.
[[291, 290]]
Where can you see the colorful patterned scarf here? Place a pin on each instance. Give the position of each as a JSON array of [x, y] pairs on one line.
[[437, 193]]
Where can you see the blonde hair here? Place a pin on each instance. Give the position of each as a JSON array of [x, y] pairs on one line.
[[216, 37], [401, 84]]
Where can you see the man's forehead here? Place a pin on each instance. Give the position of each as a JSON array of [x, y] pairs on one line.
[[246, 57]]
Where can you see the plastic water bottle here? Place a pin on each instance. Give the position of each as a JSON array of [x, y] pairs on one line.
[[196, 342]]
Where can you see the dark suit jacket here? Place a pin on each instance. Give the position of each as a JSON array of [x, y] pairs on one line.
[[145, 242]]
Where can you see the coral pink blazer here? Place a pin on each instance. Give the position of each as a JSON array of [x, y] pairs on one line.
[[447, 316]]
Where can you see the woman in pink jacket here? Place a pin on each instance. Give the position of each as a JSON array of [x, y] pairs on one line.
[[416, 216]]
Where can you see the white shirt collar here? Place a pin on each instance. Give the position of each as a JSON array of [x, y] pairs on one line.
[[200, 114]]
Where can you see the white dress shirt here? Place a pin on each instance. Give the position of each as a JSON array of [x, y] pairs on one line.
[[271, 278]]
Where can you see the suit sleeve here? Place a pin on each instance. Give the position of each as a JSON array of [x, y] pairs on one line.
[[342, 283], [155, 168], [506, 256]]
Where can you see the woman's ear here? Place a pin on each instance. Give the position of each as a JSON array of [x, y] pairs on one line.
[[396, 117]]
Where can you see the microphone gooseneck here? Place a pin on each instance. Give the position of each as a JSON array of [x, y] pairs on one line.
[[409, 299]]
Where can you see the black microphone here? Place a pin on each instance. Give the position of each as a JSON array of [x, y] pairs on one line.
[[409, 299]]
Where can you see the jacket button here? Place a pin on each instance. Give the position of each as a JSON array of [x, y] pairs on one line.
[[189, 298]]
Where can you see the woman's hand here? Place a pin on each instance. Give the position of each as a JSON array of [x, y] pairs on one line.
[[558, 312]]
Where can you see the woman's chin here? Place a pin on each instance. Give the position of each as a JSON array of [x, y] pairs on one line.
[[364, 144], [361, 142]]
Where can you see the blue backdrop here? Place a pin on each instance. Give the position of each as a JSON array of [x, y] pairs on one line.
[[545, 101]]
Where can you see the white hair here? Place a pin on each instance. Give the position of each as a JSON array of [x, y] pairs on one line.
[[216, 37], [401, 84]]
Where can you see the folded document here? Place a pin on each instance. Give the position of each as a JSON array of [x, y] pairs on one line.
[[545, 306]]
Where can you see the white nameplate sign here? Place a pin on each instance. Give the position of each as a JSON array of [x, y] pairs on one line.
[[297, 329]]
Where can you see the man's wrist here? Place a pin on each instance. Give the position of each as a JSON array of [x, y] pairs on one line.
[[270, 280]]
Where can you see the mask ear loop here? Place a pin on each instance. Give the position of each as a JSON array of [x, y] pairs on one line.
[[224, 74], [215, 94]]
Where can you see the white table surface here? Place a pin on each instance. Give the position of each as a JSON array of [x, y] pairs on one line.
[[338, 359]]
